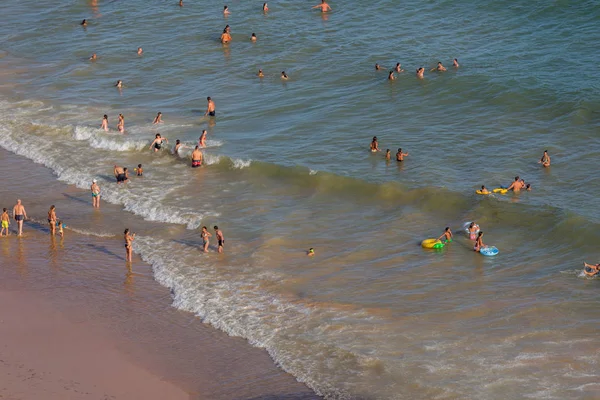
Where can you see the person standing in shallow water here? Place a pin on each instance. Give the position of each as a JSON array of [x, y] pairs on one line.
[[20, 215], [129, 238], [210, 108], [220, 238], [196, 158], [104, 123], [324, 7], [205, 236], [52, 220]]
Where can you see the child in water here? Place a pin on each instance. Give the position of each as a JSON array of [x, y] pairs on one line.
[[473, 230], [60, 227], [5, 222], [447, 235], [310, 252], [484, 190], [139, 170]]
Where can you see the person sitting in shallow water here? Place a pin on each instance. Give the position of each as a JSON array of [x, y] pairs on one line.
[[378, 67], [591, 270], [455, 63], [398, 68]]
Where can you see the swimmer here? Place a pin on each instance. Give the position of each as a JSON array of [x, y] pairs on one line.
[[95, 189], [455, 63], [227, 28], [158, 142], [447, 235], [121, 124], [378, 67], [479, 242], [545, 160], [197, 157], [120, 174], [473, 229], [94, 57], [516, 185], [210, 108], [205, 234], [158, 119], [226, 10], [20, 215], [83, 23], [52, 219], [374, 146], [323, 6], [129, 238], [284, 76], [225, 37], [178, 146], [5, 218], [484, 190], [180, 3], [420, 72], [590, 270], [253, 37], [398, 68], [439, 68], [202, 140], [220, 238], [104, 123], [400, 155], [260, 73], [391, 76], [139, 171], [528, 187], [119, 84], [265, 7], [140, 51], [388, 155], [310, 252]]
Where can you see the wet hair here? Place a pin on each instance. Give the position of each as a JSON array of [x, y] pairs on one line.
[[139, 165], [52, 207], [374, 138], [224, 7], [253, 34], [208, 98], [528, 186], [83, 22], [472, 223], [447, 229], [125, 169], [483, 186], [204, 227], [216, 227], [4, 209], [159, 113], [177, 141], [439, 62], [225, 30], [387, 151], [105, 116], [545, 151], [197, 147], [480, 234], [456, 59], [157, 135], [126, 231], [516, 178], [399, 149]]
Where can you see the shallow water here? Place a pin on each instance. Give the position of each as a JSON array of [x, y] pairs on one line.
[[372, 315]]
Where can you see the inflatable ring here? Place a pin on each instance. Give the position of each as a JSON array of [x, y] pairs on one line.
[[481, 192], [500, 190], [432, 244], [489, 251]]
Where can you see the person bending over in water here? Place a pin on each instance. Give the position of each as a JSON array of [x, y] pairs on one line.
[[121, 124], [545, 160], [400, 155], [455, 63], [516, 186], [253, 37], [484, 190], [473, 230], [5, 218], [439, 67], [202, 140], [94, 57], [374, 145], [95, 189], [398, 68], [479, 242], [120, 174], [158, 142], [158, 118], [388, 155], [210, 108], [196, 157], [52, 219], [226, 10], [391, 76], [323, 6], [129, 238], [104, 123], [205, 236], [225, 37], [420, 72], [590, 270], [447, 235]]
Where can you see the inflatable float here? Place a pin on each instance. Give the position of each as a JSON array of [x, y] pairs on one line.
[[489, 251], [482, 192], [432, 244], [500, 190]]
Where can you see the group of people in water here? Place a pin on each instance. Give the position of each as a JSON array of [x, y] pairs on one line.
[[420, 71]]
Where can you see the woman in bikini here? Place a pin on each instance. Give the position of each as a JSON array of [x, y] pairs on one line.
[[121, 124], [205, 236], [479, 242], [129, 238], [202, 141], [374, 145], [473, 230], [104, 123], [52, 219]]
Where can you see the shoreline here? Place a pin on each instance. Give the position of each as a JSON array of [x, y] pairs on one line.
[[82, 281]]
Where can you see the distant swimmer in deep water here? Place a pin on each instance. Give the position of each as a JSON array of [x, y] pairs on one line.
[[140, 51], [528, 187], [455, 63], [120, 174], [94, 57], [104, 123], [473, 230], [119, 84], [420, 72], [374, 146], [484, 190], [197, 157], [545, 160], [253, 37], [479, 242], [388, 155], [590, 270], [202, 139], [265, 7], [225, 36], [210, 107], [516, 186], [439, 67], [158, 118], [83, 23], [226, 10], [398, 68], [180, 3], [121, 124], [400, 155], [391, 76], [378, 67], [310, 252], [260, 73], [323, 6], [158, 142], [447, 235], [129, 238], [284, 76]]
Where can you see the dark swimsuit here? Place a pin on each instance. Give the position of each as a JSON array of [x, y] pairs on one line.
[[121, 178], [19, 217], [221, 242], [157, 145], [212, 113]]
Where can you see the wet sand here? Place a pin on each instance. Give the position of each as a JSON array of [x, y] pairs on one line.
[[78, 323]]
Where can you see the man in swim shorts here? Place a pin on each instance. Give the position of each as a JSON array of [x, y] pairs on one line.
[[120, 174], [210, 108], [220, 238], [20, 215], [5, 222], [196, 157]]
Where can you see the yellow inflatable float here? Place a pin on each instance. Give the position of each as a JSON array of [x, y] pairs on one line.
[[500, 190], [432, 244]]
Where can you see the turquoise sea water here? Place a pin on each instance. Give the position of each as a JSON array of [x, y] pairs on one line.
[[373, 315]]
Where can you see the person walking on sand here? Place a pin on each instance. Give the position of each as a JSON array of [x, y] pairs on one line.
[[104, 123], [52, 219], [323, 6], [220, 238], [202, 140], [129, 238], [374, 146], [197, 157], [210, 108], [20, 215], [545, 161], [95, 194], [205, 236], [5, 222]]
